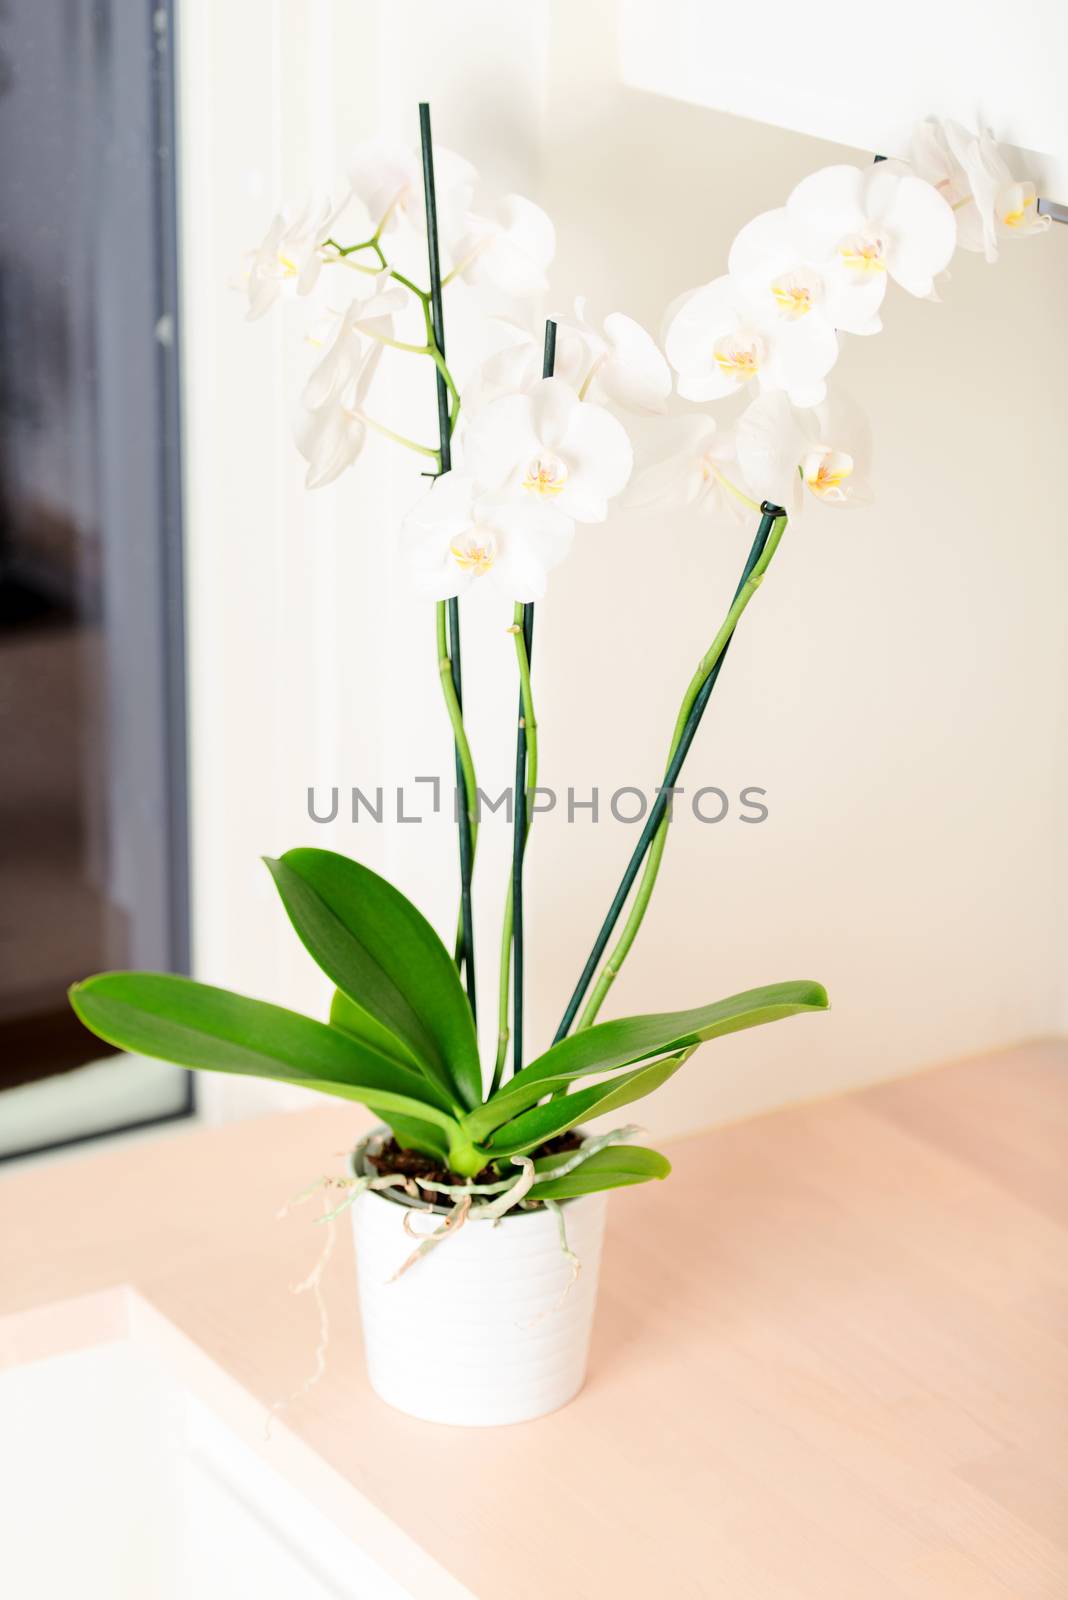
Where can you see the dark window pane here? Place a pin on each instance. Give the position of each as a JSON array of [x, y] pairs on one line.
[[92, 801]]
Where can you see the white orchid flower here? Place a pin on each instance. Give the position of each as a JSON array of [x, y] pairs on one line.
[[511, 250], [549, 447], [836, 467], [786, 283], [931, 157], [387, 176], [331, 433], [457, 536], [876, 220], [619, 365], [344, 357], [686, 461], [718, 343], [289, 258], [517, 366], [771, 443], [624, 364], [1001, 206], [786, 453]]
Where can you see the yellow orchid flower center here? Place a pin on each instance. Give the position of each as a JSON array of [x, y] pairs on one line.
[[1019, 205], [825, 471], [475, 552], [546, 474], [738, 356], [863, 252], [794, 294], [288, 265]]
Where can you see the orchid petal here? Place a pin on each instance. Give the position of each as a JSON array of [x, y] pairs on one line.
[[921, 228], [552, 446], [825, 206], [670, 467], [453, 539], [635, 374]]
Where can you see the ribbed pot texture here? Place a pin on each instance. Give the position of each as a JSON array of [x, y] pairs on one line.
[[484, 1329]]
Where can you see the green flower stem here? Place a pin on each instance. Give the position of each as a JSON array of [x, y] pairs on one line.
[[456, 720], [653, 838], [503, 991], [345, 250], [423, 295], [439, 361], [526, 783], [430, 348], [588, 379], [434, 318], [398, 344], [709, 662], [526, 780], [733, 489], [399, 438], [519, 631], [461, 266], [526, 774]]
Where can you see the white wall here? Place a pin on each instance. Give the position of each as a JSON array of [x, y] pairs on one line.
[[898, 686]]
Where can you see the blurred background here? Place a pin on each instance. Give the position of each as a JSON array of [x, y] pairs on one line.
[[189, 640]]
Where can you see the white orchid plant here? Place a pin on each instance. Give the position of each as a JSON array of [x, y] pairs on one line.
[[537, 436]]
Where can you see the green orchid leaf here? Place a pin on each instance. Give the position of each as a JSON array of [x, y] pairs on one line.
[[195, 1025], [359, 1024], [627, 1040], [387, 959], [605, 1169], [411, 1134], [533, 1127]]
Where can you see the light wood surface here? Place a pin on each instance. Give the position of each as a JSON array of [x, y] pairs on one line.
[[830, 1358]]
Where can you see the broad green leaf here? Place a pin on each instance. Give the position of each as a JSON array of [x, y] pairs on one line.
[[421, 1136], [195, 1025], [533, 1127], [359, 1024], [410, 1133], [385, 956], [605, 1169], [627, 1040]]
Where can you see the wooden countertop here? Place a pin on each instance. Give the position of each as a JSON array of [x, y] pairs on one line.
[[830, 1360]]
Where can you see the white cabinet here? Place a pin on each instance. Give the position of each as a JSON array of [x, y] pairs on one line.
[[863, 75], [121, 1484]]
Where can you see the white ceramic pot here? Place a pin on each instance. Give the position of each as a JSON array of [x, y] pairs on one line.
[[488, 1327]]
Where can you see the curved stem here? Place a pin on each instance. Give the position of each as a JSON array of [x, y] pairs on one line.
[[456, 720], [396, 344], [439, 361], [344, 250], [732, 488], [503, 992], [398, 277], [588, 379], [521, 630], [449, 611], [526, 781], [462, 266], [526, 776], [358, 266], [398, 438], [610, 970], [772, 526], [387, 213], [430, 348]]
